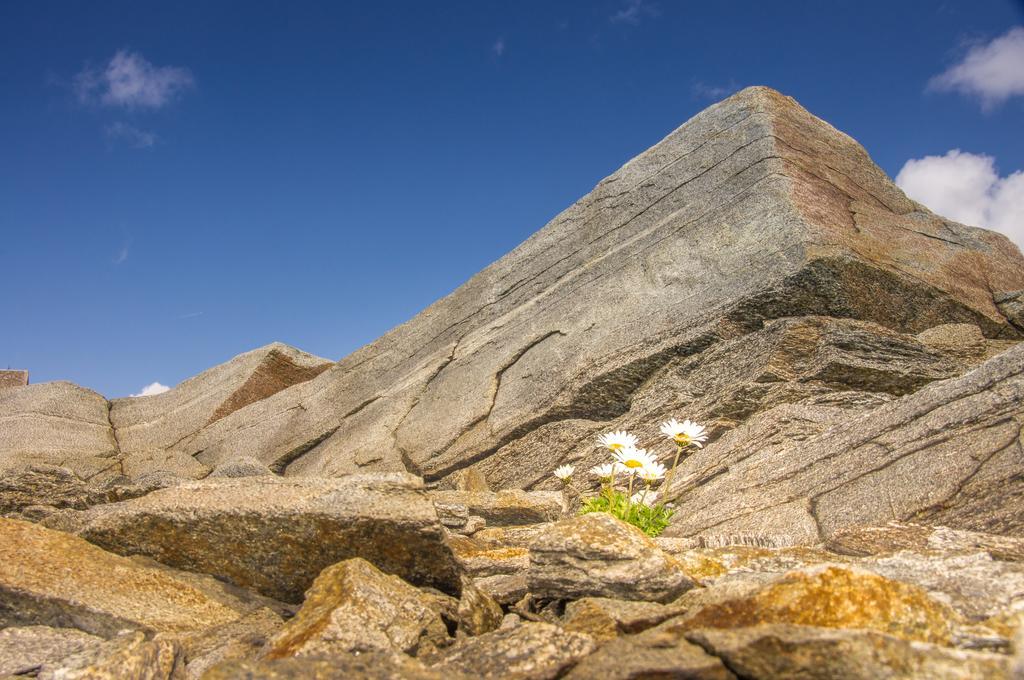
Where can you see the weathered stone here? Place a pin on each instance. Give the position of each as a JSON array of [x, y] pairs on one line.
[[275, 535], [365, 666], [13, 378], [478, 613], [481, 559], [949, 455], [537, 651], [25, 650], [785, 651], [752, 211], [129, 655], [1011, 304], [512, 507], [241, 639], [827, 596], [137, 464], [171, 420], [896, 536], [56, 423], [596, 555], [54, 579], [605, 618], [353, 607], [244, 466], [651, 654]]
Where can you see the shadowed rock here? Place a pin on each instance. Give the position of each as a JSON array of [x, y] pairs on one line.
[[275, 535]]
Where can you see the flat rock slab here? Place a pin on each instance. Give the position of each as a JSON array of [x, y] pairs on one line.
[[275, 535], [596, 555], [129, 655], [55, 579], [26, 649], [783, 651]]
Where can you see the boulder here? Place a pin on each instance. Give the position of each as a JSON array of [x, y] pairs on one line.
[[54, 579], [827, 596], [353, 607], [898, 536], [597, 555], [604, 618], [275, 535], [786, 651], [129, 655], [365, 666], [244, 638], [651, 654], [949, 454], [57, 423], [477, 612], [537, 651], [25, 650], [512, 507]]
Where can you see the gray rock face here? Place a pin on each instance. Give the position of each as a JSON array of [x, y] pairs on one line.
[[538, 651], [27, 649], [275, 535], [56, 423], [947, 455], [752, 211]]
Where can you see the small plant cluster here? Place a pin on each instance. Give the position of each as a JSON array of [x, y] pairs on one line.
[[631, 467]]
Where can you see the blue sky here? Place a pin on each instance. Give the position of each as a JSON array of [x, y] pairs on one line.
[[183, 182]]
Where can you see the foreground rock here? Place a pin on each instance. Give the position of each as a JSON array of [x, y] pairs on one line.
[[130, 655], [274, 535], [781, 651], [25, 650], [51, 578], [596, 555], [353, 607], [537, 651], [365, 666]]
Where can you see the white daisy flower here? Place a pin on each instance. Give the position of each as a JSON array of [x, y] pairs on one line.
[[617, 441], [644, 498], [685, 433], [652, 472], [634, 459], [606, 471], [564, 472]]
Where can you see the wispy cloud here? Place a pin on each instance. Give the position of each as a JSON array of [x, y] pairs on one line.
[[633, 12], [967, 188], [701, 90], [190, 315], [130, 135], [498, 48], [130, 81], [992, 71], [123, 251], [151, 389]]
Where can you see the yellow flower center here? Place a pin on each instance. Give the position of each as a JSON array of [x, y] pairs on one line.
[[633, 464], [616, 446], [682, 439]]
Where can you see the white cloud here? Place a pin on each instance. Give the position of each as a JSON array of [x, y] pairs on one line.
[[993, 71], [130, 81], [151, 389], [130, 135], [967, 188], [701, 90], [498, 48], [633, 12]]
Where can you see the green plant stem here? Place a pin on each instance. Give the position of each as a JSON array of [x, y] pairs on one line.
[[671, 474]]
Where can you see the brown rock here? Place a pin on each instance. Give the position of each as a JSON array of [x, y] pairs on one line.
[[51, 578], [604, 618], [512, 507], [648, 655], [829, 597], [478, 613], [365, 666], [353, 607], [785, 651], [537, 651], [896, 536], [244, 638], [24, 650], [596, 555], [129, 655], [275, 535]]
